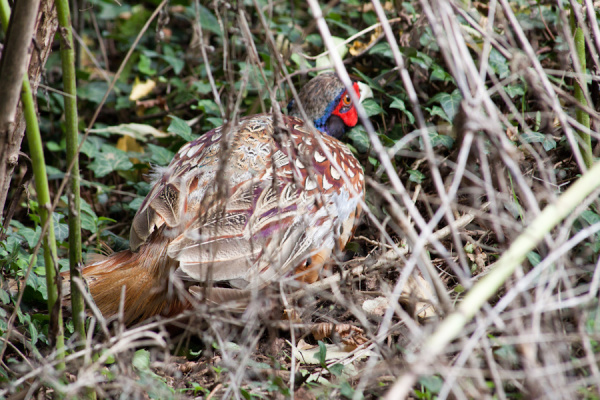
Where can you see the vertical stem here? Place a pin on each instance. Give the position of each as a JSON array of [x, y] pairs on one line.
[[585, 141], [41, 186], [67, 53]]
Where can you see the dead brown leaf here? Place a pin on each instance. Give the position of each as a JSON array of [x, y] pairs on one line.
[[351, 336]]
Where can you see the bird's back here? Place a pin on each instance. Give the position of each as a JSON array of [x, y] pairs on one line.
[[247, 203]]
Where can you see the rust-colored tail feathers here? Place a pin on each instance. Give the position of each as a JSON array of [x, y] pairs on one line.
[[145, 275]]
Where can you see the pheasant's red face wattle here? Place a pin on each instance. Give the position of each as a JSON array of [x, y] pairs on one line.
[[346, 110]]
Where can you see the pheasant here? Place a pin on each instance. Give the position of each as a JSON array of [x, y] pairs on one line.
[[262, 199]]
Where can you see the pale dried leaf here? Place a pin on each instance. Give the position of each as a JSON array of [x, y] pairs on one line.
[[376, 306], [137, 131], [141, 89]]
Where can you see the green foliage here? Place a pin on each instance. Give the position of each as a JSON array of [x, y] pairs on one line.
[[449, 103], [589, 218], [430, 386], [322, 355], [180, 128], [110, 159]]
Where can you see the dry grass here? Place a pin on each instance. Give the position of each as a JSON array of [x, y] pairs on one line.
[[421, 246]]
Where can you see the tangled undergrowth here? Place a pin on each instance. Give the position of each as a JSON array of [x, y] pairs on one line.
[[477, 124]]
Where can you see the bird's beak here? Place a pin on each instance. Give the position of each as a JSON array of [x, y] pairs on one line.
[[365, 92]]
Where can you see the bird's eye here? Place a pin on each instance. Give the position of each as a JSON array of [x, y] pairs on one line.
[[346, 99]]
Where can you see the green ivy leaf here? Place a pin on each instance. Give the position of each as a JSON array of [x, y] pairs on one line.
[[337, 369], [108, 160], [386, 140], [208, 20], [159, 155], [177, 63], [208, 106], [180, 128], [383, 49], [145, 65], [590, 217], [4, 296], [429, 41], [88, 222], [337, 19], [340, 47], [449, 102], [141, 360], [432, 383], [108, 10], [549, 143], [94, 92], [437, 110], [33, 332], [399, 104], [422, 60], [135, 204], [513, 91], [499, 64], [442, 140], [416, 176], [533, 137], [374, 161], [60, 230], [85, 207], [54, 173], [360, 139], [372, 108], [201, 87], [91, 146], [346, 390], [88, 216], [214, 121], [439, 74], [534, 258], [322, 354], [55, 147], [508, 353], [30, 235], [315, 39], [245, 394]]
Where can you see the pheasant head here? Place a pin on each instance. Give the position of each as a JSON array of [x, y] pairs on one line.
[[327, 104]]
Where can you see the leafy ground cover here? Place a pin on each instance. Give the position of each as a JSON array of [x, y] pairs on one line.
[[475, 117]]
